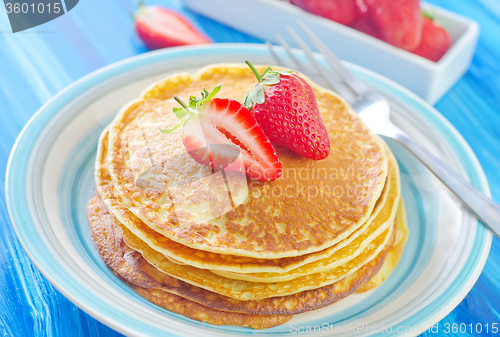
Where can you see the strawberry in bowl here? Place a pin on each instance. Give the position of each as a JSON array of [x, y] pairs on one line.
[[341, 11], [435, 41], [400, 23]]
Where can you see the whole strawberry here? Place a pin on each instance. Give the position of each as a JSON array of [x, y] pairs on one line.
[[435, 41], [285, 107], [341, 11], [365, 25], [217, 131], [399, 21]]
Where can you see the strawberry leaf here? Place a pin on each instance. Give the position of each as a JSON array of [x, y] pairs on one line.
[[429, 14], [268, 69], [271, 77], [268, 77], [185, 113], [208, 96], [285, 72], [180, 123], [254, 96], [180, 113]]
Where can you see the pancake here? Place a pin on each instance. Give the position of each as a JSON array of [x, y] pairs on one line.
[[292, 304], [181, 254], [244, 290], [395, 252], [320, 203], [124, 262], [382, 221], [145, 278], [201, 313]]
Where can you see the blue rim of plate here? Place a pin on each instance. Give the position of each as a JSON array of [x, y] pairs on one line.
[[17, 199]]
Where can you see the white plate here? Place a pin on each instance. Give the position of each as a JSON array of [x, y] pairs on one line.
[[50, 180]]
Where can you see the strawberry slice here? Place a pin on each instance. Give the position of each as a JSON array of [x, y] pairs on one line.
[[216, 131], [435, 41], [160, 28], [285, 107]]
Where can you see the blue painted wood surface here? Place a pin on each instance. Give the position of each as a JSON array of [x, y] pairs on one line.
[[36, 64]]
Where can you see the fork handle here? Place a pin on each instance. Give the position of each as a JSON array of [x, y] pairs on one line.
[[479, 204]]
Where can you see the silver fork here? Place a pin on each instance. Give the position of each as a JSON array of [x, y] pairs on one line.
[[374, 110]]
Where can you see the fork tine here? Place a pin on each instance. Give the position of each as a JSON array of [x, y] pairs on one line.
[[288, 49], [297, 64], [334, 85], [276, 58], [279, 60], [349, 79]]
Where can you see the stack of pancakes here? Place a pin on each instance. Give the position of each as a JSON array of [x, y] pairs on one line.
[[253, 253]]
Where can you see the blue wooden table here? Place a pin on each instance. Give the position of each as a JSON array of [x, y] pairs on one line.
[[37, 63]]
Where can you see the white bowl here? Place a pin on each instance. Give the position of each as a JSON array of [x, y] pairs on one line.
[[430, 80]]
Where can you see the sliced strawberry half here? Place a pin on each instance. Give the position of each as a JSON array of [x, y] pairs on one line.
[[161, 27], [217, 130]]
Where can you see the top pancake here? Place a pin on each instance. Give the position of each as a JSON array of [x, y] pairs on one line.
[[314, 205]]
